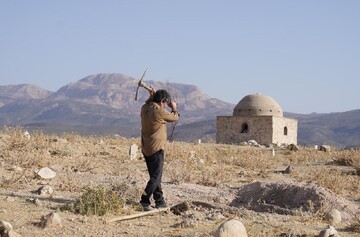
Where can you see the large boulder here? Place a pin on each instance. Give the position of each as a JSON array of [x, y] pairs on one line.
[[231, 228]]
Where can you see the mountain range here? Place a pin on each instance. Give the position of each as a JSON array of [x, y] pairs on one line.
[[104, 104]]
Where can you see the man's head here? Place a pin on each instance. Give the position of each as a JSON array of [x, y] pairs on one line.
[[162, 96]]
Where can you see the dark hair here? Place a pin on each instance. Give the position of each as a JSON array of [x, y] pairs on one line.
[[161, 95]]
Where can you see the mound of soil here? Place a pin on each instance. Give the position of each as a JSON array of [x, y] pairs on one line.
[[292, 198]]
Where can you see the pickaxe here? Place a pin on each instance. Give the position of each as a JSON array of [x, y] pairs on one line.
[[143, 85]]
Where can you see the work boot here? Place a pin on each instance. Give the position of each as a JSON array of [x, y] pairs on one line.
[[161, 205], [146, 207]]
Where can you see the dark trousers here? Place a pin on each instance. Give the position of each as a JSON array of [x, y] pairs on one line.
[[155, 164]]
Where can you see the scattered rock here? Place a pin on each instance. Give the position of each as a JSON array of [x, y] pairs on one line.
[[333, 217], [231, 228], [133, 152], [325, 148], [45, 190], [189, 221], [215, 216], [27, 135], [16, 168], [292, 147], [46, 173], [328, 232], [180, 208], [6, 230], [284, 169], [5, 227], [35, 201], [52, 219], [253, 143], [104, 153]]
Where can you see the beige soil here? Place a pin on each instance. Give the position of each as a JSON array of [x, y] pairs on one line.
[[219, 182]]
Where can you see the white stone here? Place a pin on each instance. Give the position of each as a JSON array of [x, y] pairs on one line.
[[46, 173], [27, 135], [328, 232], [133, 152], [333, 217], [231, 228], [52, 219], [45, 190], [5, 227]]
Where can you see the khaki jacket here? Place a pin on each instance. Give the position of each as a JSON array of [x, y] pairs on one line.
[[153, 127]]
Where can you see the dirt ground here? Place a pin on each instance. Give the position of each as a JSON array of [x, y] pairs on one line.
[[219, 182]]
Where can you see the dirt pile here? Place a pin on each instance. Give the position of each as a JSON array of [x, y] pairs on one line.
[[293, 198]]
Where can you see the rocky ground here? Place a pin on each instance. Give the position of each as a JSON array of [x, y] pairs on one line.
[[272, 192]]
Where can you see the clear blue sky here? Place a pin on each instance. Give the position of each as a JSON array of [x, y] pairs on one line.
[[305, 54]]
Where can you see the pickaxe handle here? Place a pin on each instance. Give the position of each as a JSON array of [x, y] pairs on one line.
[[142, 84]]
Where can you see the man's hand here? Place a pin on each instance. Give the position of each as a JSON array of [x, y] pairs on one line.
[[172, 105]]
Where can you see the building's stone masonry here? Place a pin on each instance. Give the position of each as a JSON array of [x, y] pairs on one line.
[[278, 131], [261, 126]]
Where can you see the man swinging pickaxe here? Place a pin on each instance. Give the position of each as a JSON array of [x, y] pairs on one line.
[[165, 98], [154, 117]]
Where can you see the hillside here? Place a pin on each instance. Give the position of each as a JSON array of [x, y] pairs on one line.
[[337, 129], [104, 104]]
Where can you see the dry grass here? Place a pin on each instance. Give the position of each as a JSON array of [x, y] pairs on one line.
[[83, 163]]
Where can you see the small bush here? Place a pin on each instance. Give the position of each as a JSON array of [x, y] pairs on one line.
[[98, 201], [17, 138]]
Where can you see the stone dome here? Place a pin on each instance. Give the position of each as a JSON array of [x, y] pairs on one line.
[[257, 105]]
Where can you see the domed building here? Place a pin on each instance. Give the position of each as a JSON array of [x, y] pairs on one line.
[[256, 117]]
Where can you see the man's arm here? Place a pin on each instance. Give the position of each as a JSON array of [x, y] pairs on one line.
[[151, 96], [173, 115]]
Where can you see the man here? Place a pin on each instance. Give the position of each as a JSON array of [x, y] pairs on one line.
[[154, 118]]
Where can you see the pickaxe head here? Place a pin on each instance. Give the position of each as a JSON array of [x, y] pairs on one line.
[[142, 84]]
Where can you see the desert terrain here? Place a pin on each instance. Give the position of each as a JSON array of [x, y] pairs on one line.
[[280, 191]]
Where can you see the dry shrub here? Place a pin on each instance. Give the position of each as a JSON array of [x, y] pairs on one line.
[[23, 149], [179, 171], [216, 176], [204, 164], [96, 201], [101, 200], [15, 138], [308, 155], [39, 141], [343, 161], [70, 184], [84, 165], [255, 160], [72, 137], [6, 182], [349, 157], [331, 179]]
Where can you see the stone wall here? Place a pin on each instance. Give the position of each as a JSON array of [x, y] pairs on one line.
[[228, 129], [263, 129], [279, 136]]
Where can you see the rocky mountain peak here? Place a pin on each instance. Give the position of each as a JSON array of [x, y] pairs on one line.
[[106, 79], [24, 91]]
